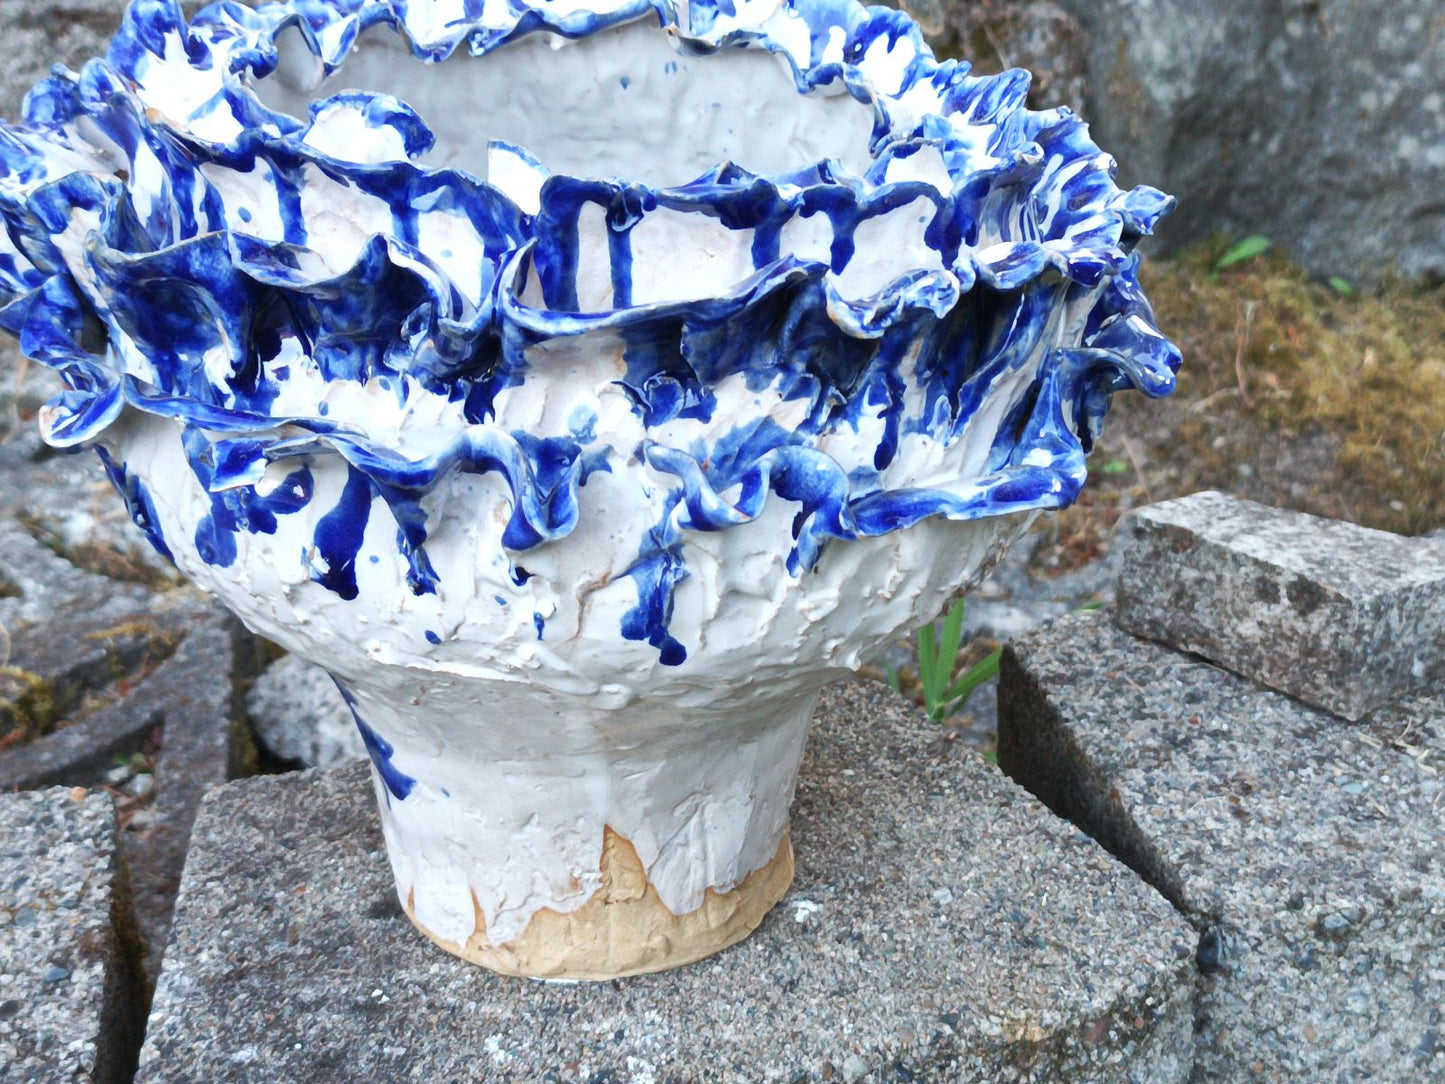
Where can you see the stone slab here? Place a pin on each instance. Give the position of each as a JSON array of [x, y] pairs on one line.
[[1311, 856], [204, 742], [299, 716], [121, 668], [1317, 123], [1341, 616], [942, 925], [69, 979]]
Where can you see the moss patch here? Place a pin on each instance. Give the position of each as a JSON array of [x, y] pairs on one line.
[[27, 706], [1272, 356], [99, 557]]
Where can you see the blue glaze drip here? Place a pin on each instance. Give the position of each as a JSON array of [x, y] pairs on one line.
[[398, 784], [432, 638], [137, 502], [539, 623], [658, 570], [339, 535]]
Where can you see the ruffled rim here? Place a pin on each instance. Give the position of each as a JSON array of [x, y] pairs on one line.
[[186, 293]]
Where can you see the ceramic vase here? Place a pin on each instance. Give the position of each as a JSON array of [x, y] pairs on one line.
[[584, 385]]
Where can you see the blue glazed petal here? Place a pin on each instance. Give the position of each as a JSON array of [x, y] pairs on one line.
[[168, 246]]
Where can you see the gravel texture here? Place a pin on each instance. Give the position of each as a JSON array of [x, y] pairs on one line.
[[1309, 853], [942, 926], [298, 715], [115, 666], [1340, 616], [69, 980]]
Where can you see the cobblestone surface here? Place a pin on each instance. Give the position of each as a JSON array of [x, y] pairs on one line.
[[942, 926], [1309, 854], [69, 978]]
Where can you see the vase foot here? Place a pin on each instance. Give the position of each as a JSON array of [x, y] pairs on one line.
[[625, 928]]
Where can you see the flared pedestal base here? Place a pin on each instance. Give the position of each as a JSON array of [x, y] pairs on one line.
[[624, 928]]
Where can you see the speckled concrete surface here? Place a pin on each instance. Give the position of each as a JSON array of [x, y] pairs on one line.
[[68, 974], [943, 925], [299, 715], [1341, 616], [1310, 853]]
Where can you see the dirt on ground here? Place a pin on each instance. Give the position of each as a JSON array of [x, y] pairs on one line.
[[1295, 393]]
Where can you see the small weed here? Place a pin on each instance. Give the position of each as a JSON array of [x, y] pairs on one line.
[[944, 692], [134, 762], [1242, 251], [1341, 285]]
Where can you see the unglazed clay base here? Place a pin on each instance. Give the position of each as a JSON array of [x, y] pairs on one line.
[[625, 928]]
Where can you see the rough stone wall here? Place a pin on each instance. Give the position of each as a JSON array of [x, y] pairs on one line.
[[1318, 123], [992, 35], [35, 34]]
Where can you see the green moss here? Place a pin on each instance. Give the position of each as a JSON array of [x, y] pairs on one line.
[[27, 706], [98, 556], [134, 648], [1266, 346]]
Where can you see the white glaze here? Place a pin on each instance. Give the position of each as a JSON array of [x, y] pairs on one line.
[[542, 743]]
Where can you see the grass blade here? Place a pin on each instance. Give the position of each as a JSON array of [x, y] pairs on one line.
[[1248, 248], [927, 669], [977, 674], [948, 648]]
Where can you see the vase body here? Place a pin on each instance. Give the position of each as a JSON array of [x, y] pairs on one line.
[[556, 802], [542, 836], [584, 386]]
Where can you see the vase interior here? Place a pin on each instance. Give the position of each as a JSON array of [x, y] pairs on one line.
[[623, 102]]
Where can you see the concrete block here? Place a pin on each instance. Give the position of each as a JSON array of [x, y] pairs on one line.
[[1340, 616], [70, 986], [943, 925], [97, 668], [299, 715], [1310, 856]]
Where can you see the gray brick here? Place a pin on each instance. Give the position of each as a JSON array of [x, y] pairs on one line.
[[1310, 856], [70, 985], [1340, 616], [943, 926]]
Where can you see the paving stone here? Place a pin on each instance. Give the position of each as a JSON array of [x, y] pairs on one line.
[[204, 742], [108, 659], [300, 716], [1340, 616], [1310, 856], [70, 984], [93, 680], [942, 926]]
